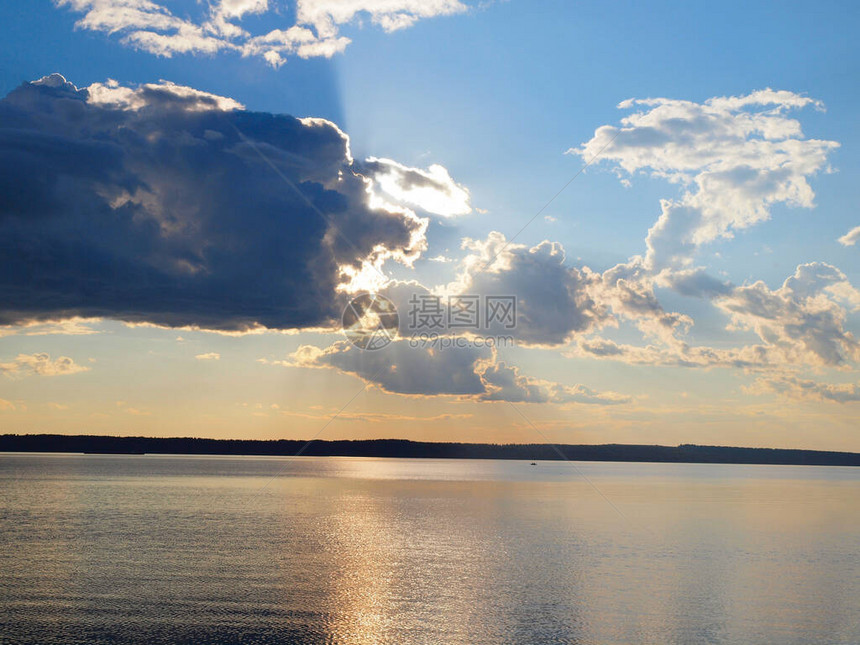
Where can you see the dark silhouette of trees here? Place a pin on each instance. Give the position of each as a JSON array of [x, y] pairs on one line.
[[686, 453]]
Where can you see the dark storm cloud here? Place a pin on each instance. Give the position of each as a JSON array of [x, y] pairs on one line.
[[164, 205]]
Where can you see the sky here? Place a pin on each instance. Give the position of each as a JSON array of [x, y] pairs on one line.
[[192, 193]]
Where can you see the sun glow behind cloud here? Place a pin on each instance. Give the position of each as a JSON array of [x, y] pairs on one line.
[[432, 190]]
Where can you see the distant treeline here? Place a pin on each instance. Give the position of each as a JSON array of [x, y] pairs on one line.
[[688, 453]]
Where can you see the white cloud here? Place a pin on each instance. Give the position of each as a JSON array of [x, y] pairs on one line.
[[814, 278], [238, 8], [40, 365], [325, 16], [299, 41], [735, 157], [851, 237], [628, 290], [209, 356], [112, 95], [801, 320], [150, 26]]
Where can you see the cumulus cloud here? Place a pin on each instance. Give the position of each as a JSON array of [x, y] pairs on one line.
[[851, 237], [149, 25], [208, 356], [628, 289], [167, 205], [815, 278], [557, 303], [40, 365], [554, 301], [735, 157], [802, 323], [801, 320], [468, 372], [805, 389]]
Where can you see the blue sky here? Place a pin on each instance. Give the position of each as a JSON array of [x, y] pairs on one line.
[[497, 94]]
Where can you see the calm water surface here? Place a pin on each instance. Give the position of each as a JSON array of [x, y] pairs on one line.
[[162, 549]]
